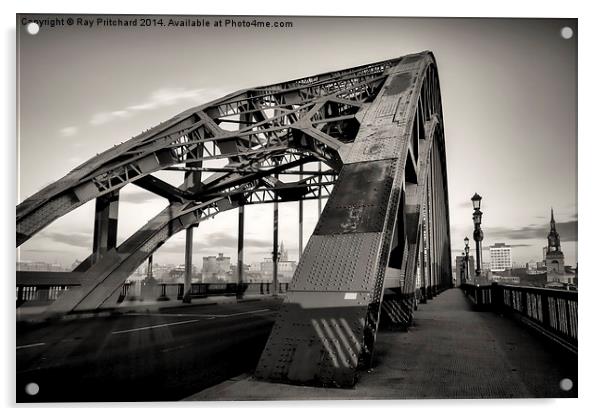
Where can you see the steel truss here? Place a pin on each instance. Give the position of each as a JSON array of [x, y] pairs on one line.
[[382, 241]]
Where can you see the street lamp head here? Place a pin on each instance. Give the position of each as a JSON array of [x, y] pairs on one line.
[[466, 240], [476, 217], [476, 201]]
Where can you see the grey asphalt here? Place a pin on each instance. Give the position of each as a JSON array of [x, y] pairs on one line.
[[161, 355]]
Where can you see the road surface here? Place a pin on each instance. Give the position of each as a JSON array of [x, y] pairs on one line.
[[146, 356]]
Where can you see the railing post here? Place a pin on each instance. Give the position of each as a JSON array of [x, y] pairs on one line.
[[497, 300], [163, 296], [568, 317], [181, 291], [545, 310], [19, 296]]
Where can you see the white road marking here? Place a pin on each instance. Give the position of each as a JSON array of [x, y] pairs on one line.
[[144, 328], [37, 344], [242, 313], [210, 316]]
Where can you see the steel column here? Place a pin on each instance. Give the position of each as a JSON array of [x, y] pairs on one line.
[[188, 265], [275, 254], [319, 191], [105, 225], [241, 246], [149, 268], [301, 216]]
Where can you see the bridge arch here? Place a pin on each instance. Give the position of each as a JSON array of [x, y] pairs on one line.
[[381, 242]]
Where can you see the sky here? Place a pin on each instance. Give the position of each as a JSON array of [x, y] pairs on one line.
[[508, 87]]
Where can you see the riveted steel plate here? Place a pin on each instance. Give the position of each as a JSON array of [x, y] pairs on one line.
[[317, 338], [317, 300], [359, 200], [387, 106], [375, 148], [412, 63], [32, 222], [399, 83], [340, 262]]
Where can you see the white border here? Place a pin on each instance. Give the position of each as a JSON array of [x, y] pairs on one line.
[[589, 207]]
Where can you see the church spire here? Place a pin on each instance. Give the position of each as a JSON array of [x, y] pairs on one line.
[[283, 252], [553, 237], [554, 257]]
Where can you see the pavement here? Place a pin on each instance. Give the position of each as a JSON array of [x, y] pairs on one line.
[[451, 352], [144, 352]]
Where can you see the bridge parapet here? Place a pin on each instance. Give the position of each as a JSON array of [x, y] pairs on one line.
[[551, 312]]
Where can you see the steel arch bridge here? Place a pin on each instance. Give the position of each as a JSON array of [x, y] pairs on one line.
[[381, 242]]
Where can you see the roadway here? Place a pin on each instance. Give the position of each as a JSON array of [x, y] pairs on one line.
[[142, 356]]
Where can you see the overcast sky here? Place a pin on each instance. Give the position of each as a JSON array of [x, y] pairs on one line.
[[509, 101]]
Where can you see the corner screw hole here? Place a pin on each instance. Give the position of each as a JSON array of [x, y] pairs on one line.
[[33, 28], [566, 384], [566, 32], [32, 389]]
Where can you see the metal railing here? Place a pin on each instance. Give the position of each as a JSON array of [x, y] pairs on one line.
[[550, 311], [39, 294], [44, 294]]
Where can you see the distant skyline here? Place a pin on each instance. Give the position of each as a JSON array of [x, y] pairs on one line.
[[509, 101]]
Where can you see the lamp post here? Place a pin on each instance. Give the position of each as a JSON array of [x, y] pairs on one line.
[[276, 259], [478, 233], [466, 259]]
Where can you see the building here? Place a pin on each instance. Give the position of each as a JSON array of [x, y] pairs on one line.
[[554, 256], [75, 264], [161, 272], [531, 265], [502, 278], [286, 268], [39, 266], [501, 257], [216, 267]]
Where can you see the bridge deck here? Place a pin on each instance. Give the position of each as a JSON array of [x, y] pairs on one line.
[[452, 351]]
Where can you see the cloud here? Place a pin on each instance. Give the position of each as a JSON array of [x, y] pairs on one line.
[[138, 197], [74, 239], [102, 118], [40, 250], [163, 97], [567, 231], [465, 204], [216, 241], [68, 131], [512, 245]]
